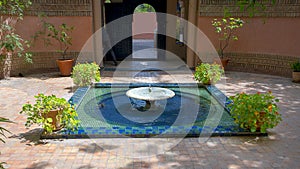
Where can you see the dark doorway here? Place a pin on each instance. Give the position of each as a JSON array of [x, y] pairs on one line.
[[115, 11], [144, 33]]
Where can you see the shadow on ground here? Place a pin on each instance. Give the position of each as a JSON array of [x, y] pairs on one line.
[[39, 165], [31, 137]]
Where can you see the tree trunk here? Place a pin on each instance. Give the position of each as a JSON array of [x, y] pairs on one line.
[[7, 65]]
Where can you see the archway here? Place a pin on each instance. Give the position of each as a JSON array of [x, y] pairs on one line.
[[118, 9], [141, 40]]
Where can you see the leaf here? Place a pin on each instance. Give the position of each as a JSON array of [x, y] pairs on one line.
[[50, 120], [253, 129], [3, 130]]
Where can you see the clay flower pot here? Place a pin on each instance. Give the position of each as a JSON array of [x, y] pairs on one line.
[[65, 66], [54, 115], [296, 76], [222, 62]]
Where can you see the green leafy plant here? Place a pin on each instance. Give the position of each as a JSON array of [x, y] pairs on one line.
[[296, 66], [226, 29], [10, 42], [59, 33], [208, 73], [257, 112], [254, 6], [2, 135], [85, 74], [37, 113]]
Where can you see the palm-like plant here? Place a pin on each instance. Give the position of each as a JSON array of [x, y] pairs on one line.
[[2, 135], [2, 129]]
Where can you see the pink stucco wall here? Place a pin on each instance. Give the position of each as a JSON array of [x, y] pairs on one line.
[[279, 36], [82, 31], [144, 22]]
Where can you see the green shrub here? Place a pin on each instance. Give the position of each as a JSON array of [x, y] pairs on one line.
[[208, 73], [256, 112], [85, 74], [296, 66]]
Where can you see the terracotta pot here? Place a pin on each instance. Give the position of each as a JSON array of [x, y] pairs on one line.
[[208, 83], [55, 119], [296, 76], [222, 62], [65, 66]]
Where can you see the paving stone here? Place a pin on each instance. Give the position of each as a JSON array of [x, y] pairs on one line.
[[23, 149]]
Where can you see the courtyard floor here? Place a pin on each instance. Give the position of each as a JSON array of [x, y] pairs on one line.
[[23, 149]]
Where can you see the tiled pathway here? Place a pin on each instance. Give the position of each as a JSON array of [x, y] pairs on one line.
[[279, 150]]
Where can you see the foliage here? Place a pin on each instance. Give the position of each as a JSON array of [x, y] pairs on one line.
[[14, 7], [254, 6], [1, 165], [143, 8], [2, 129], [12, 11], [59, 33], [255, 111], [85, 74], [226, 28], [13, 42], [296, 66], [2, 134], [208, 73], [43, 105]]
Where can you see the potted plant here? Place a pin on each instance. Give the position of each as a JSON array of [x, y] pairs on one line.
[[60, 34], [256, 112], [85, 74], [226, 30], [296, 71], [51, 112], [208, 73]]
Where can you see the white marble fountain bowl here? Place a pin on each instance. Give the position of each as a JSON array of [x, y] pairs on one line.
[[150, 93]]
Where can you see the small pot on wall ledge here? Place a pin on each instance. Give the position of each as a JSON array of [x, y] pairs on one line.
[[222, 62], [65, 66], [296, 77]]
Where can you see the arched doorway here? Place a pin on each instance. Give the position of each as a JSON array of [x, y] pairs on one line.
[[144, 34], [115, 10]]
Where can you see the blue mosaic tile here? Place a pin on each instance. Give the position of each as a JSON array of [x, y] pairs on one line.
[[227, 127]]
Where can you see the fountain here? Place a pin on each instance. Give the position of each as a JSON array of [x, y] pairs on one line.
[[150, 95]]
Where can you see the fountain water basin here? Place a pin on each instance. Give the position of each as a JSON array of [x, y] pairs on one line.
[[150, 95]]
